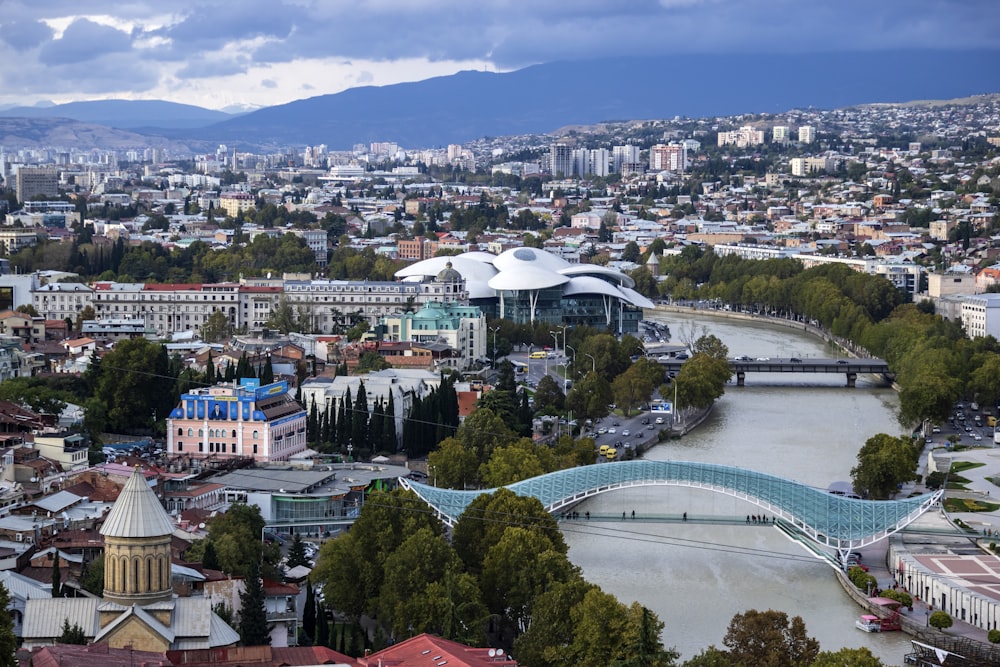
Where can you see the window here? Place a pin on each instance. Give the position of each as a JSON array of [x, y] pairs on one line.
[[180, 446], [190, 432], [256, 435], [180, 431]]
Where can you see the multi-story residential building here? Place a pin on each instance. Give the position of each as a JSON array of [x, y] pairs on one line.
[[234, 203], [623, 155], [237, 421], [417, 249], [561, 160], [34, 181], [12, 241], [779, 134], [316, 239], [903, 275], [807, 134], [463, 328], [981, 315], [742, 138], [668, 157]]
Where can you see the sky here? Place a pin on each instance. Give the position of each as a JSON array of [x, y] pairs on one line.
[[252, 53]]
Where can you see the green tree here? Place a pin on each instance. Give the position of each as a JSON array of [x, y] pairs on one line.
[[371, 361], [236, 539], [8, 642], [548, 394], [512, 463], [309, 613], [253, 613], [633, 387], [93, 576], [453, 465], [641, 639], [701, 380], [940, 620], [133, 381], [589, 398], [884, 462], [712, 346], [216, 328], [769, 638], [847, 657], [72, 634], [282, 317], [297, 554], [336, 570], [57, 590], [993, 636], [709, 657]]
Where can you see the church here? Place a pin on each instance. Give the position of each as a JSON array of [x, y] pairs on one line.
[[138, 608]]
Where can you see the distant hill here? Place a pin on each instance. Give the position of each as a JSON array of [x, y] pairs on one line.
[[67, 133], [471, 105], [125, 114]]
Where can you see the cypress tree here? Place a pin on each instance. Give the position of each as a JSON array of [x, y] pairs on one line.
[[253, 616], [209, 370], [309, 614], [389, 436], [322, 626], [8, 642], [57, 591], [344, 420], [359, 422]]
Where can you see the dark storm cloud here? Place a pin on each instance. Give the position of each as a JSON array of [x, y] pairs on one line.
[[24, 34], [84, 40], [198, 39]]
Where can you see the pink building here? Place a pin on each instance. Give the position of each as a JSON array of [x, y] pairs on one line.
[[237, 420]]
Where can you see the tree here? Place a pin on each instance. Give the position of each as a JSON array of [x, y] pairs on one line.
[[701, 380], [769, 638], [57, 591], [847, 657], [635, 386], [297, 554], [453, 465], [8, 642], [643, 646], [236, 540], [712, 346], [371, 361], [993, 636], [630, 253], [884, 462], [940, 620], [72, 634], [589, 398], [253, 613], [548, 394], [512, 463], [309, 613], [92, 580], [216, 328], [282, 317]]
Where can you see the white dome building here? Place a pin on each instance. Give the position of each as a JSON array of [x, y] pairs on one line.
[[527, 285]]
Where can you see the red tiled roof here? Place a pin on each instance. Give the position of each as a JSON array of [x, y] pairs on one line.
[[94, 655], [429, 651]]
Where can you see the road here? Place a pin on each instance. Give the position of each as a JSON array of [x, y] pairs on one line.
[[630, 430]]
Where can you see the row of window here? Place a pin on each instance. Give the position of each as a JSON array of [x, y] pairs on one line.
[[213, 433]]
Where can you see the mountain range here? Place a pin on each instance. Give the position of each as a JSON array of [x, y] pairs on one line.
[[539, 99]]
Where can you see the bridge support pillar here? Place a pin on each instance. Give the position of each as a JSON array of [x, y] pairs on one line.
[[741, 377], [852, 379]]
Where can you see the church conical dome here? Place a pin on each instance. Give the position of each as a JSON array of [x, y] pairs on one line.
[[137, 512]]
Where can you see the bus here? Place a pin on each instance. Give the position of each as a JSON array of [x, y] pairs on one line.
[[520, 368]]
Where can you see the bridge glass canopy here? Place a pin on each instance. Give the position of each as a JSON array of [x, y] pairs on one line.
[[824, 517]]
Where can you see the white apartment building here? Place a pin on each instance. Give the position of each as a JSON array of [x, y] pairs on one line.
[[807, 134], [58, 301], [622, 155], [743, 137], [981, 315], [779, 134], [668, 157], [460, 327]]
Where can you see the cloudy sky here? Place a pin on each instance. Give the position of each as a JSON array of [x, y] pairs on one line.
[[263, 52]]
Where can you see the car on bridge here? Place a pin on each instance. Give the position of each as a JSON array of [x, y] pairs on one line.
[[795, 360]]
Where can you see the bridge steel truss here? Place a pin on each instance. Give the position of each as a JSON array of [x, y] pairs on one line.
[[824, 518]]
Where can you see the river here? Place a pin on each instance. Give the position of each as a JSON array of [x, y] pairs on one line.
[[808, 428]]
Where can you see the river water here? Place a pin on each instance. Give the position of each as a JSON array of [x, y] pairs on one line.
[[808, 428]]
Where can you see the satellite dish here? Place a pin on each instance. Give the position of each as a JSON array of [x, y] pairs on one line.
[[492, 653], [201, 526], [499, 652]]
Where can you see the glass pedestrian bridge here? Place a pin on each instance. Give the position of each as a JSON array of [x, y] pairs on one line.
[[824, 518]]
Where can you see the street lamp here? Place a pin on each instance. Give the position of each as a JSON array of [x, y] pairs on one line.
[[569, 347], [494, 330], [592, 361]]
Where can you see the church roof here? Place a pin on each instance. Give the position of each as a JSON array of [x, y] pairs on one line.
[[137, 512]]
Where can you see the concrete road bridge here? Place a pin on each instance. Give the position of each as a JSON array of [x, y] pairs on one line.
[[816, 515]]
